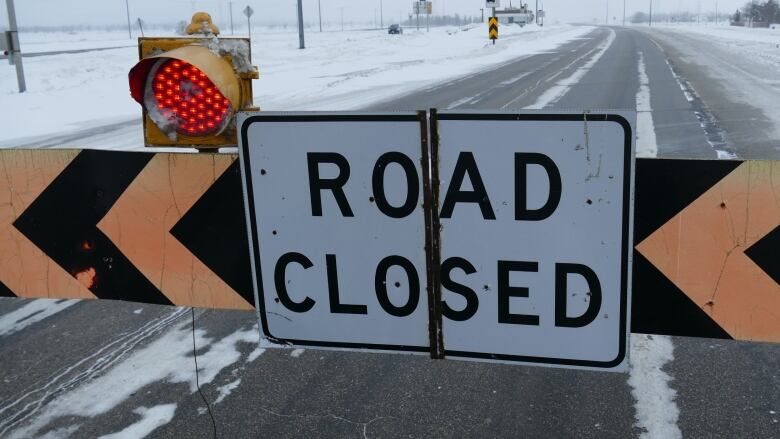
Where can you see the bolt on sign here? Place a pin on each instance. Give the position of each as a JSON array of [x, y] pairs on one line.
[[510, 247]]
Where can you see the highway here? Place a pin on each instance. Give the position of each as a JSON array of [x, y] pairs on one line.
[[121, 363]]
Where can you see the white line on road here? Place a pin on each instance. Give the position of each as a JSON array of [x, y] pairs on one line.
[[646, 144], [656, 409], [559, 90]]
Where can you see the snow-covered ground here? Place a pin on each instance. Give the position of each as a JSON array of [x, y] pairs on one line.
[[763, 45], [38, 42], [745, 63], [337, 71]]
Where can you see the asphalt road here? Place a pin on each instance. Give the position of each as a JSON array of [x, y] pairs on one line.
[[61, 374]]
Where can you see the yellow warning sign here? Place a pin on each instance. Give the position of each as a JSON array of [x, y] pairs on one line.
[[493, 28]]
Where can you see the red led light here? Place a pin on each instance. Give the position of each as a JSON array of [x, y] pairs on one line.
[[179, 86]]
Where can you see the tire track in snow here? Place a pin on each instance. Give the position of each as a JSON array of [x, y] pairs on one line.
[[559, 90], [105, 385]]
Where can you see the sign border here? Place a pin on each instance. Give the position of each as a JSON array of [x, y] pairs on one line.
[[628, 160], [249, 206]]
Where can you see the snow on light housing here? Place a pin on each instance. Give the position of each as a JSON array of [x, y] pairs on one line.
[[215, 72], [179, 96]]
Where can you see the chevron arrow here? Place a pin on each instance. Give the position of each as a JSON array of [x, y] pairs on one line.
[[721, 251], [62, 223], [140, 222], [214, 230], [26, 180]]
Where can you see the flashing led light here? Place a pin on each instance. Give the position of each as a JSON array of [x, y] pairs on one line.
[[178, 87]]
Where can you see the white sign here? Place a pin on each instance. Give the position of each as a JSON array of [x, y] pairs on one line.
[[521, 252], [535, 213], [335, 206], [492, 4]]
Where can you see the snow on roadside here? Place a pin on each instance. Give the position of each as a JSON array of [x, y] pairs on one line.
[[33, 312], [764, 42], [170, 353], [337, 71], [746, 62]]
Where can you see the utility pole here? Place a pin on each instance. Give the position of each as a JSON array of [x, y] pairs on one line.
[[606, 14], [381, 15], [624, 13], [650, 23], [536, 13], [319, 11], [127, 9], [716, 13], [342, 19], [15, 52], [231, 17], [301, 44], [248, 14]]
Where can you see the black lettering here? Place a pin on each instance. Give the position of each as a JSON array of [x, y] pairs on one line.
[[412, 185], [336, 307], [505, 291], [467, 165], [472, 301], [380, 286], [335, 185], [281, 286], [562, 271], [522, 160]]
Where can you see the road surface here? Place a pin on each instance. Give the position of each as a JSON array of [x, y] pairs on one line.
[[96, 368]]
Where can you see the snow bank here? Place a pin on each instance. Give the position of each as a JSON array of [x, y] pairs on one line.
[[761, 45], [337, 71]]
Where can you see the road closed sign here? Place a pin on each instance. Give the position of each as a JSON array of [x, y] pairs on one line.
[[506, 237], [335, 205], [535, 214]]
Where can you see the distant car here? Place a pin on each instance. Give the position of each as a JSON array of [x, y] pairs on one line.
[[395, 29], [774, 26]]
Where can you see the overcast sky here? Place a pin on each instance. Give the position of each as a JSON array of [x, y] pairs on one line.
[[69, 12]]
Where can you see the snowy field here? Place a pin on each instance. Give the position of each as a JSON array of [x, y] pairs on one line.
[[760, 44], [337, 71]]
